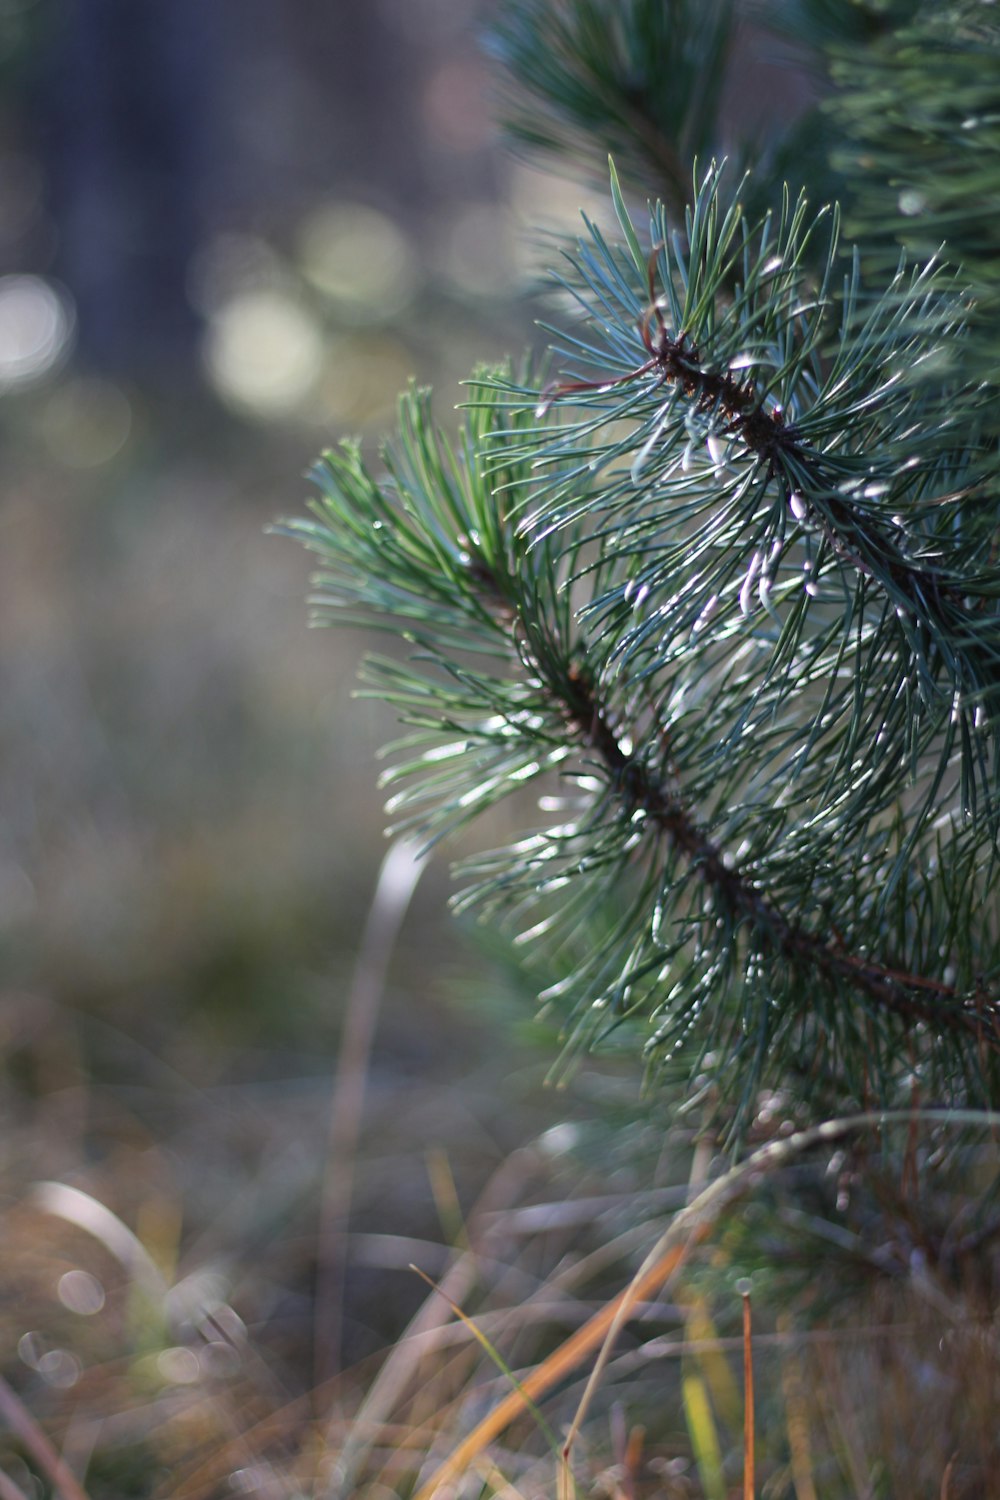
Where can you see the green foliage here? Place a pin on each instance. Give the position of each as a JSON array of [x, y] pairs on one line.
[[641, 78], [918, 111], [821, 24], [726, 595]]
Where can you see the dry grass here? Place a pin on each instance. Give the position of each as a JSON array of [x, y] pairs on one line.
[[154, 1382]]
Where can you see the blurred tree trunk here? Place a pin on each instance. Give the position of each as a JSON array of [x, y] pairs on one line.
[[124, 106]]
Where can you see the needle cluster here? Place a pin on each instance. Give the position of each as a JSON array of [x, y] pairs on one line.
[[725, 596]]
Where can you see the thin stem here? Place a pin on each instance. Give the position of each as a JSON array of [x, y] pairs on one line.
[[749, 1430], [22, 1423], [401, 869]]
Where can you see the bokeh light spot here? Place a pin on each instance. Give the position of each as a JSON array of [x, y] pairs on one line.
[[912, 202], [36, 329], [30, 1348], [178, 1366], [60, 1368], [263, 352], [81, 1292], [360, 258]]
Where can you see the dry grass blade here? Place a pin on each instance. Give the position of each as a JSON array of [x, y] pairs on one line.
[[19, 1419], [401, 869], [9, 1490], [706, 1448], [796, 1417], [749, 1484], [690, 1226], [946, 1477], [402, 1366], [562, 1360], [77, 1207], [495, 1356]]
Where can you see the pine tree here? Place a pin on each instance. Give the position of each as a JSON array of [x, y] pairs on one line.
[[721, 582]]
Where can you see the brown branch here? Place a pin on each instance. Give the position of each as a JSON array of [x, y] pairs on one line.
[[675, 358], [896, 991]]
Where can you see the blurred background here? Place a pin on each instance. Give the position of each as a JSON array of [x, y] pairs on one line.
[[229, 234]]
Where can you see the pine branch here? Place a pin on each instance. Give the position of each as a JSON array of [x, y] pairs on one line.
[[635, 895], [917, 136], [912, 997], [642, 78], [911, 137], [808, 426], [900, 993]]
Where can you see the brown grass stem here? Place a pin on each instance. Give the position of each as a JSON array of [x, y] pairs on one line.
[[690, 1227], [424, 1330], [749, 1484]]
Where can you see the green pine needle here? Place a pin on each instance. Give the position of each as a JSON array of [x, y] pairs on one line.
[[725, 599]]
